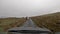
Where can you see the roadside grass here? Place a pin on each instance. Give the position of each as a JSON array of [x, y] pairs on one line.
[[50, 21], [7, 23]]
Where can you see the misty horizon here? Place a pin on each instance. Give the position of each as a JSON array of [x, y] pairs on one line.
[[23, 8]]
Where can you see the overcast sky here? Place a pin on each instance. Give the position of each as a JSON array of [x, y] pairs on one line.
[[20, 8]]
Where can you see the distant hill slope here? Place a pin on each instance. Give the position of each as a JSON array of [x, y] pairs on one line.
[[50, 21], [6, 23]]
